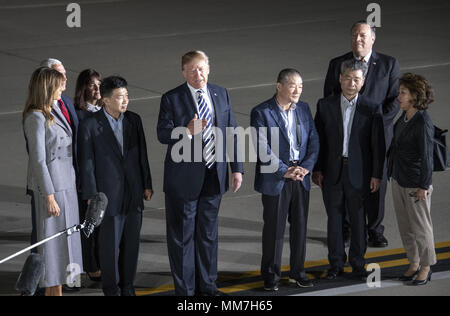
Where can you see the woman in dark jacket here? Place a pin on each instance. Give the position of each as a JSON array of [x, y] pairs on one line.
[[88, 101], [411, 168]]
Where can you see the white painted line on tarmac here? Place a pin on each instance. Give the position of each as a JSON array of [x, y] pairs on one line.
[[363, 287]]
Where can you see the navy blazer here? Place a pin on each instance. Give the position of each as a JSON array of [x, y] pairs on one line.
[[380, 87], [268, 115], [75, 122], [123, 178], [185, 179], [366, 145]]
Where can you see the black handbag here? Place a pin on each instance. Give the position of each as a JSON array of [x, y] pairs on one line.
[[440, 152]]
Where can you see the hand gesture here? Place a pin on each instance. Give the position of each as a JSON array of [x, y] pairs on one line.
[[196, 126]]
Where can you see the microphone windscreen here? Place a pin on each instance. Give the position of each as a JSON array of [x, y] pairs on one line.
[[95, 213], [32, 272]]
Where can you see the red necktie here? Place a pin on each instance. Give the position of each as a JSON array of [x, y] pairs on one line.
[[64, 111]]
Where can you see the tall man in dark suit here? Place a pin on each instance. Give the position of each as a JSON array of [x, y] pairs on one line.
[[381, 88], [194, 186], [350, 164], [285, 190], [113, 160]]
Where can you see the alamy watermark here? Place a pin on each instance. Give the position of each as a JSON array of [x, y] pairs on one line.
[[234, 147]]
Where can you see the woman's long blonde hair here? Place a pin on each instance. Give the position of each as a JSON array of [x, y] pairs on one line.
[[43, 85]]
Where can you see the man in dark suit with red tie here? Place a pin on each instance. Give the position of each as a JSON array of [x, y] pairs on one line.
[[381, 88]]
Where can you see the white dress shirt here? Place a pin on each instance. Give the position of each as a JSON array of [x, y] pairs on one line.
[[207, 98], [348, 113], [290, 125]]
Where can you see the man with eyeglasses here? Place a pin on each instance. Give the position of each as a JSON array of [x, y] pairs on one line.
[[350, 164]]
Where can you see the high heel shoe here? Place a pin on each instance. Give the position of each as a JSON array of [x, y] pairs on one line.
[[423, 282], [405, 278]]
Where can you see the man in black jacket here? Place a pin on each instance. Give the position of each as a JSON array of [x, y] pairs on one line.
[[380, 88], [350, 164], [113, 160]]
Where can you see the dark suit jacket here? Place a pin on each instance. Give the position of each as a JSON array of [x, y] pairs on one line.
[[412, 152], [366, 145], [123, 178], [381, 85], [185, 179], [75, 122], [268, 115]]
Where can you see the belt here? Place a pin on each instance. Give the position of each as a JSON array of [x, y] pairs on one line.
[[345, 160]]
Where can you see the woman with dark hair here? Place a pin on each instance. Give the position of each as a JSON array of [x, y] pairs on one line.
[[87, 93], [51, 177], [87, 101], [410, 161]]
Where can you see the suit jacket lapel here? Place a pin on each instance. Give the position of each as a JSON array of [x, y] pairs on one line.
[[275, 112], [300, 124], [370, 77], [191, 107], [216, 105], [61, 120], [127, 129], [107, 132], [337, 114]]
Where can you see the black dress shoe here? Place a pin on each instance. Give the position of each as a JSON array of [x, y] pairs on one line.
[[333, 273], [378, 241], [423, 282], [270, 287], [301, 282], [359, 274]]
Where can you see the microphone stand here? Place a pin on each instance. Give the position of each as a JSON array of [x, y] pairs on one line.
[[68, 231]]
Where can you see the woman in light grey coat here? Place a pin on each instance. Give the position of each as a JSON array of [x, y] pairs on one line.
[[51, 177]]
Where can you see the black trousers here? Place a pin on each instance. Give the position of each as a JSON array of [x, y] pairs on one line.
[[293, 204], [192, 238], [337, 198], [118, 251]]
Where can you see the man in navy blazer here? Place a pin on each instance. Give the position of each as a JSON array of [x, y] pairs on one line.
[[196, 114], [350, 164], [380, 88], [113, 160], [286, 139]]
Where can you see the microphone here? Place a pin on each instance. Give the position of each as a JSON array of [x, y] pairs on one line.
[[32, 272], [95, 213]]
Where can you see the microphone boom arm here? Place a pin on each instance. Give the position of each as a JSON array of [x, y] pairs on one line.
[[68, 231]]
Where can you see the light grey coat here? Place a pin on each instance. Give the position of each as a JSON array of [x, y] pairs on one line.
[[50, 171]]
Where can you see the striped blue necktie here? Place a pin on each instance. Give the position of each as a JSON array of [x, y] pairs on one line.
[[209, 149]]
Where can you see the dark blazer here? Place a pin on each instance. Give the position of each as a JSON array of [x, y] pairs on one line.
[[366, 145], [75, 122], [412, 152], [185, 179], [123, 178], [381, 85], [268, 115]]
